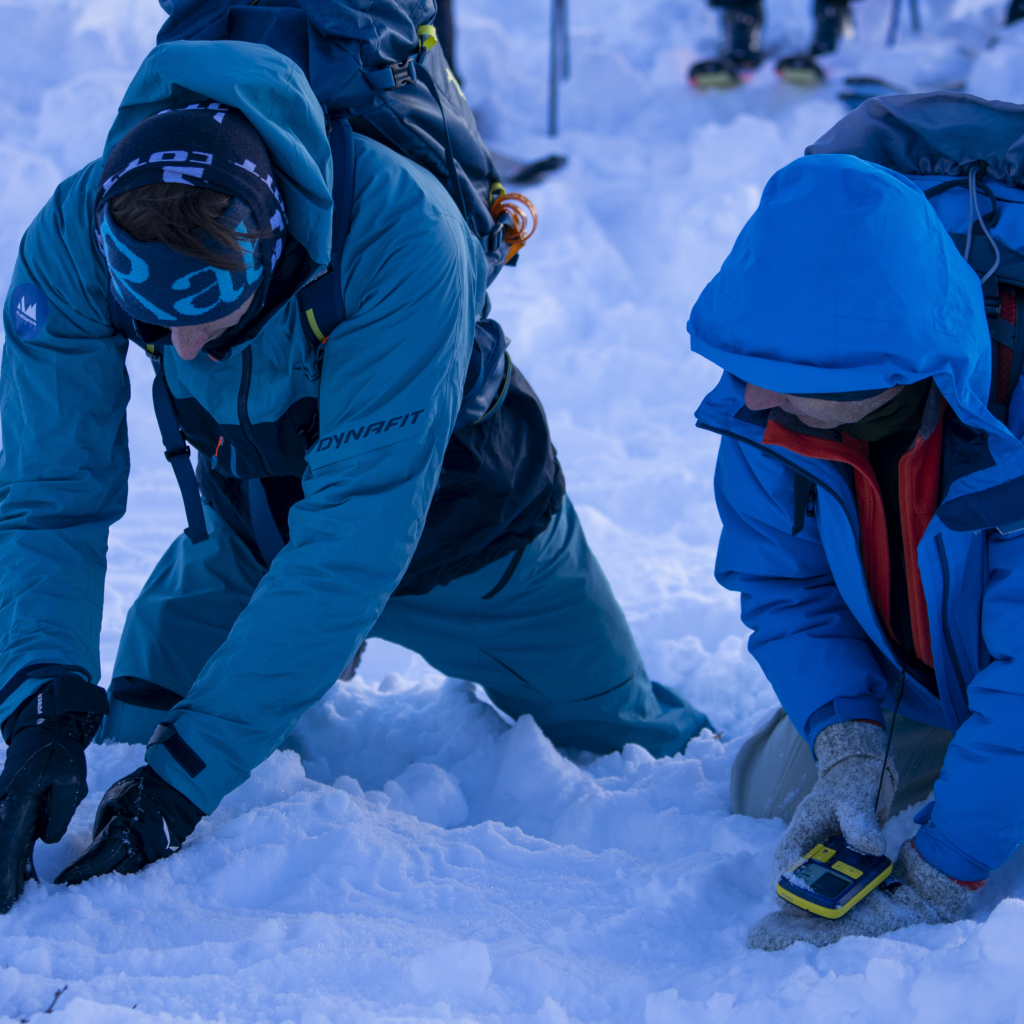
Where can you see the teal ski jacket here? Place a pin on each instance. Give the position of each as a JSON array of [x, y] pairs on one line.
[[845, 280], [413, 280]]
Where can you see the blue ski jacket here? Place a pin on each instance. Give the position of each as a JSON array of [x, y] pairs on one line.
[[413, 281], [844, 279]]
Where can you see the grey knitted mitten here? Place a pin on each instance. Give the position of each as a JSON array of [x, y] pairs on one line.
[[849, 756], [916, 893]]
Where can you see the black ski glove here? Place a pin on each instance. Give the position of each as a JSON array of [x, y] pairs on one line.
[[43, 780], [140, 819]]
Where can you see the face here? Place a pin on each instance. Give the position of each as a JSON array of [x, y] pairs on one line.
[[188, 341], [817, 412]]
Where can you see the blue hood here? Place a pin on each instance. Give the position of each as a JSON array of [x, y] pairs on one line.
[[845, 279]]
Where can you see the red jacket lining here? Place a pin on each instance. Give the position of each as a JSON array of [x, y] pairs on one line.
[[919, 498]]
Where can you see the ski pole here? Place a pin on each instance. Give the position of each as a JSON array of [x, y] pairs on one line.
[[564, 30], [894, 24], [559, 63]]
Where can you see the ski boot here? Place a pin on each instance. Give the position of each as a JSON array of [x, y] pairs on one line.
[[831, 21], [742, 23]]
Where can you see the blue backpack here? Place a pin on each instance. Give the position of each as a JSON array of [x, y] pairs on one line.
[[376, 69], [967, 154], [375, 63]]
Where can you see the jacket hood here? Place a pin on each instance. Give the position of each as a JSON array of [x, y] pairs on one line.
[[274, 95], [845, 279]]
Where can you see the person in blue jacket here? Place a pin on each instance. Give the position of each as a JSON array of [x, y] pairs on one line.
[[873, 521], [201, 221]]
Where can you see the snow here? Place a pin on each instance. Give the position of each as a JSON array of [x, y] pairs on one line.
[[415, 856]]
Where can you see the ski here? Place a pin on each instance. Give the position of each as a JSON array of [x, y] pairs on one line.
[[723, 72], [857, 89], [719, 73], [801, 70], [526, 172]]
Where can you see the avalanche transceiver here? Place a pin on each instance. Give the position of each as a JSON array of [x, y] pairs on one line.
[[832, 878]]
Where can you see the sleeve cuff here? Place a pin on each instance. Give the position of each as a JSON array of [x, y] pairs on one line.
[[843, 709], [167, 767], [947, 858]]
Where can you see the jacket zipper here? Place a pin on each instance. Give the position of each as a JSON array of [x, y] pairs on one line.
[[786, 462], [243, 406], [896, 656]]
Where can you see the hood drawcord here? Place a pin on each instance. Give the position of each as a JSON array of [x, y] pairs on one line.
[[974, 213]]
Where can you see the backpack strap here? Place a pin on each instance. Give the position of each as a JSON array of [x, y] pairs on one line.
[[394, 76], [1001, 271], [321, 301], [454, 185], [177, 452], [1003, 309]]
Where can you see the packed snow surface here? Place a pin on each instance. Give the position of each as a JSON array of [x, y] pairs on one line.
[[416, 857]]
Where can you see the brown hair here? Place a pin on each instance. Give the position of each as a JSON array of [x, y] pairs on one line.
[[179, 215]]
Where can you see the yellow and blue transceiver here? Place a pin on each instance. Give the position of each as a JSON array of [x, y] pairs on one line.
[[832, 878]]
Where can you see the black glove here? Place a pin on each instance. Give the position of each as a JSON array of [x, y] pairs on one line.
[[43, 780], [140, 819]]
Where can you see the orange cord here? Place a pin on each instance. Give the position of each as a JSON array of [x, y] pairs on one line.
[[516, 234]]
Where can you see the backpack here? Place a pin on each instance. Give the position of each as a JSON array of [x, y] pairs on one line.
[[966, 153], [375, 69], [376, 63]]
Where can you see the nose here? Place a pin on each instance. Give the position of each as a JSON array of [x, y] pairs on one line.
[[756, 398], [188, 341]]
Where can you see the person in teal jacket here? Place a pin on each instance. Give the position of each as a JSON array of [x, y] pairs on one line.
[[457, 543], [873, 522]]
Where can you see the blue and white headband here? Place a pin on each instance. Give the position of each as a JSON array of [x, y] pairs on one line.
[[207, 146]]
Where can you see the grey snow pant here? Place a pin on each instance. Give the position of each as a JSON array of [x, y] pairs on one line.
[[774, 769]]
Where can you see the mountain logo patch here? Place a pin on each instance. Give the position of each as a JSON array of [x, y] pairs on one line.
[[29, 310]]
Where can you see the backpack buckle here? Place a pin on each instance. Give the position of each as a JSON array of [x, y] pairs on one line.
[[393, 76], [404, 73], [175, 453]]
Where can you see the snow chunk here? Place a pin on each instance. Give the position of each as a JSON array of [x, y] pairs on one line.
[[667, 1008], [459, 969], [429, 793]]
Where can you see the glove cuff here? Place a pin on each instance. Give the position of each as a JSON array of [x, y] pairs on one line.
[[841, 740], [948, 897], [160, 817], [57, 697], [180, 814]]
